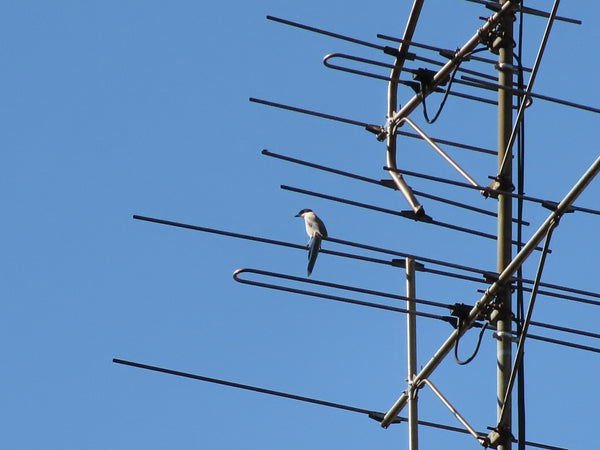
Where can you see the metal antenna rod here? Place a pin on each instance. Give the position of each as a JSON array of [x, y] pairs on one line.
[[300, 398], [550, 204], [327, 63], [376, 260], [533, 12], [417, 301], [344, 299], [447, 53], [365, 124], [391, 108], [411, 347], [383, 183], [496, 287], [502, 314], [405, 214], [454, 412], [527, 95], [439, 150]]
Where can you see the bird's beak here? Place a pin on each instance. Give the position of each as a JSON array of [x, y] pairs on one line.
[[297, 215]]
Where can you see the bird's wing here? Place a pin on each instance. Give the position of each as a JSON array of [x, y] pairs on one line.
[[313, 251], [321, 230]]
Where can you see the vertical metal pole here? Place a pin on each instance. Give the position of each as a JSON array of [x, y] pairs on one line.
[[503, 312], [411, 346]]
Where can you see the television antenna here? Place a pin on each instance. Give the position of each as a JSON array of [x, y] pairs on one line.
[[494, 308]]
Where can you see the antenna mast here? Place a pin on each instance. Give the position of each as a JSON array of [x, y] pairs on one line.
[[503, 310]]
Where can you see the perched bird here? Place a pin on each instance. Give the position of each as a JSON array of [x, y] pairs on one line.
[[315, 228]]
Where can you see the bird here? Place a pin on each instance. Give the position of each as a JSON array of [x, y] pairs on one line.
[[315, 228]]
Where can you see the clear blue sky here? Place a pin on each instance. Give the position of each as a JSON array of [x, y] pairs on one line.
[[115, 108]]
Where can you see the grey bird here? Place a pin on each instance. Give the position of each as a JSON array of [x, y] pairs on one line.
[[315, 228]]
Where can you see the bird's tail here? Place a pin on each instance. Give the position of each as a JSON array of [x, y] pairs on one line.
[[313, 251]]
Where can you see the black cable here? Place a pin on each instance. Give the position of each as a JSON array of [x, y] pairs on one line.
[[446, 93], [520, 206], [443, 102], [472, 357]]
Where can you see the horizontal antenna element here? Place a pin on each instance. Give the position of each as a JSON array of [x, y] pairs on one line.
[[300, 398]]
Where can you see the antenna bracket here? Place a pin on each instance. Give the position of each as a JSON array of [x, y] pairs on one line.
[[495, 38], [425, 79], [497, 435], [498, 183], [460, 310], [379, 132]]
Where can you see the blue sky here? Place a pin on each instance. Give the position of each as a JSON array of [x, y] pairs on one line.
[[111, 109]]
